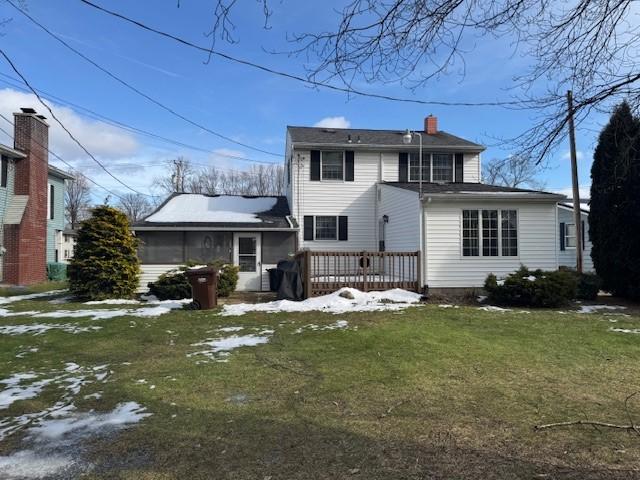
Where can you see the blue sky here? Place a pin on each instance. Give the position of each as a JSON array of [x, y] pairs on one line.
[[247, 105]]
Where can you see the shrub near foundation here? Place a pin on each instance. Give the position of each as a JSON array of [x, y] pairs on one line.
[[174, 285], [538, 288]]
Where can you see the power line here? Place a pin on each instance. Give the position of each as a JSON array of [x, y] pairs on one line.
[[58, 157], [53, 115], [135, 89], [292, 76], [130, 128]]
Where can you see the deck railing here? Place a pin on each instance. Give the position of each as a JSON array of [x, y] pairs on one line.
[[324, 272]]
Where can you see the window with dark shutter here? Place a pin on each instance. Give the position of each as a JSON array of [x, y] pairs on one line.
[[315, 165], [583, 235], [562, 233], [343, 228], [403, 167], [308, 227], [349, 166], [52, 202], [459, 168], [5, 171]]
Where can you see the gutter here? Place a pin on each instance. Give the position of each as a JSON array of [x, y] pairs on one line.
[[541, 197], [209, 229], [395, 148]]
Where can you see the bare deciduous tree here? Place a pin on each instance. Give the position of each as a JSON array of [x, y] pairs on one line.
[[135, 206], [77, 200], [514, 171]]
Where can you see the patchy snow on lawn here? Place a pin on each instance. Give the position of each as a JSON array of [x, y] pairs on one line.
[[339, 325], [17, 389], [625, 330], [335, 303], [113, 301], [31, 296], [220, 348], [40, 328], [493, 308], [596, 308], [55, 445]]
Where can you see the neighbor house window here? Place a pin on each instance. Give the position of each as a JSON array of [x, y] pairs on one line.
[[498, 233], [4, 171], [509, 233], [570, 235], [50, 202], [470, 233], [436, 167], [326, 228], [442, 167], [332, 165]]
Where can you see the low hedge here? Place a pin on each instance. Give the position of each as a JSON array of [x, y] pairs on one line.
[[174, 285], [537, 288]]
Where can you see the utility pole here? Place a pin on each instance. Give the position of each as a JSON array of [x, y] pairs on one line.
[[178, 176], [577, 212]]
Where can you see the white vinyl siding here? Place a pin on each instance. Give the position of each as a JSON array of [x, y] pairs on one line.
[[447, 267], [402, 232], [355, 200], [567, 257]]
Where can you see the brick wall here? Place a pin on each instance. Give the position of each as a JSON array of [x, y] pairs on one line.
[[25, 259]]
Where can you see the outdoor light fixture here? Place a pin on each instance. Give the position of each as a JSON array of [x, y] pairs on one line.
[[385, 218], [407, 138]]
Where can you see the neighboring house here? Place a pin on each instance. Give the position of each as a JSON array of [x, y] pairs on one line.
[[55, 214], [251, 232], [359, 190], [31, 202], [567, 236], [66, 242]]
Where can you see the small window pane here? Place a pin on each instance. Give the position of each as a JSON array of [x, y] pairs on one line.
[[332, 166], [509, 233], [570, 235], [442, 167], [470, 233], [326, 228], [490, 233], [247, 263], [414, 167], [247, 245]]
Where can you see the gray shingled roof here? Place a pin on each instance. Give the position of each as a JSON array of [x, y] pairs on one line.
[[460, 188], [387, 138], [276, 218]]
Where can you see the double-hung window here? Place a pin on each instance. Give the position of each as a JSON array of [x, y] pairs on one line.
[[326, 228], [332, 165], [436, 167], [489, 233], [570, 235]]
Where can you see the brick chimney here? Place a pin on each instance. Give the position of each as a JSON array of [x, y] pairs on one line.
[[431, 125], [25, 260]]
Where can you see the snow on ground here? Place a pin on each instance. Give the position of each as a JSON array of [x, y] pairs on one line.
[[31, 296], [40, 328], [202, 208], [335, 303], [339, 325], [493, 308], [446, 305], [596, 308], [113, 301], [218, 349], [625, 330], [55, 445]]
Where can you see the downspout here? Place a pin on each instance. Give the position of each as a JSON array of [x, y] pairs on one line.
[[556, 227], [423, 238]]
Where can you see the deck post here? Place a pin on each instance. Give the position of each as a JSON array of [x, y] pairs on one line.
[[365, 260], [418, 272], [306, 272]]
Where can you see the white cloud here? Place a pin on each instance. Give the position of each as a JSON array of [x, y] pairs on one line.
[[102, 140], [222, 158], [333, 122], [567, 155], [585, 191]]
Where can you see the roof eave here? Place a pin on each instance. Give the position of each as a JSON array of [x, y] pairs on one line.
[[157, 228], [370, 146], [544, 197], [11, 152]]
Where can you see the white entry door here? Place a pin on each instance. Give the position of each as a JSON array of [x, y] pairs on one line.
[[246, 255]]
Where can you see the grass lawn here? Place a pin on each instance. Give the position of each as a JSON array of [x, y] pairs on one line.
[[425, 393]]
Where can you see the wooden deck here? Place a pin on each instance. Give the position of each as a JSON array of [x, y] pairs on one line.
[[324, 272]]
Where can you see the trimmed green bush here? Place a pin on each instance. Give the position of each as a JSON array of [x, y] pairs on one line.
[[525, 288], [56, 271], [105, 263], [174, 285], [589, 284]]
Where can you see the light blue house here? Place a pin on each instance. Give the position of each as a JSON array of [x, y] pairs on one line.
[[55, 213]]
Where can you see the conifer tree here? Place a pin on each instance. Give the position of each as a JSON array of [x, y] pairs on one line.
[[614, 217], [105, 263]]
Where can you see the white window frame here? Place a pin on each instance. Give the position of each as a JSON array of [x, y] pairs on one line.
[[480, 252], [567, 236], [430, 160], [315, 227], [344, 167]]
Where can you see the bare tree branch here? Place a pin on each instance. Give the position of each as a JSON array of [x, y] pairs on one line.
[[77, 198]]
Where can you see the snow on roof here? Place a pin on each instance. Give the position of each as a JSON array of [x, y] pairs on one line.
[[191, 207], [584, 206]]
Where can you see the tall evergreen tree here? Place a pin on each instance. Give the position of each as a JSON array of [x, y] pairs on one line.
[[105, 262], [614, 218]]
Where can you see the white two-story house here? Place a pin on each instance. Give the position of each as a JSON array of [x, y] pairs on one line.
[[366, 190]]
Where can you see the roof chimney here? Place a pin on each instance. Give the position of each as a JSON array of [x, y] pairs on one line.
[[431, 125]]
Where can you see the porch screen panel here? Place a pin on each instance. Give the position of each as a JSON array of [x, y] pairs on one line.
[[206, 247], [160, 247], [277, 246]]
